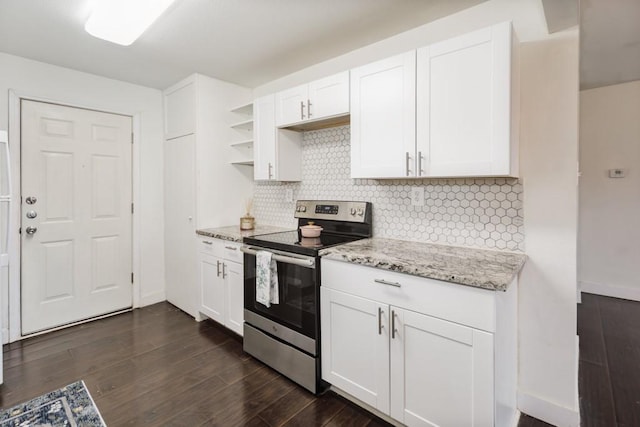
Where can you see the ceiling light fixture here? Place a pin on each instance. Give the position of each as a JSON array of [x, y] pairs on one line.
[[123, 21]]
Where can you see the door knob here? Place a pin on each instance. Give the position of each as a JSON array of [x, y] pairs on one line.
[[32, 214], [31, 230], [31, 200]]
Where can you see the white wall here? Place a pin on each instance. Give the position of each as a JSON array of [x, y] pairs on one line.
[[548, 164], [36, 79], [610, 207], [549, 138]]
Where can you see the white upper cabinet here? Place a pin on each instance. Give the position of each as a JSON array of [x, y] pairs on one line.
[[180, 106], [318, 100], [277, 152], [264, 137], [447, 110], [464, 105], [383, 118]]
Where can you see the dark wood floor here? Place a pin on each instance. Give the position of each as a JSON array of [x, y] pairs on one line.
[[157, 366]]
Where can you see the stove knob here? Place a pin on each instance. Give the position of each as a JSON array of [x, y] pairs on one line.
[[303, 208], [353, 211], [297, 208], [360, 212]]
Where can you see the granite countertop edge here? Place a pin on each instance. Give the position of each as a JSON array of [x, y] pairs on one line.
[[423, 261], [233, 233]]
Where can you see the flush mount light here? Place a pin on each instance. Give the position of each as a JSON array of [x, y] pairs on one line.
[[123, 21]]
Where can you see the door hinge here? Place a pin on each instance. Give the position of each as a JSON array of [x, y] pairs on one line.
[[20, 230], [131, 278], [132, 137], [131, 207]]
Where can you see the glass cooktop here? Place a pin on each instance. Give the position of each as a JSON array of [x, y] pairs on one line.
[[291, 241]]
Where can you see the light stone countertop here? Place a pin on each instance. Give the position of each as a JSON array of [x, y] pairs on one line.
[[482, 268], [234, 234]]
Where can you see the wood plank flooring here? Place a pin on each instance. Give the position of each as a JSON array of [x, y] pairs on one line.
[[156, 366]]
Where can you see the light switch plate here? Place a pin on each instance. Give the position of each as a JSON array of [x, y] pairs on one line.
[[417, 196]]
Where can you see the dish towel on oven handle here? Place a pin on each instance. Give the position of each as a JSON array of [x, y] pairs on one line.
[[266, 279]]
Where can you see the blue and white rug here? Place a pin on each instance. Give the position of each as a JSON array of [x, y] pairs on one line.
[[70, 406]]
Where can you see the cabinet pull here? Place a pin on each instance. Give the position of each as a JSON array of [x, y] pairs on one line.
[[309, 104], [207, 242], [270, 168], [231, 248], [379, 321], [420, 171], [393, 324], [217, 268], [386, 282], [301, 110], [224, 270], [407, 160]]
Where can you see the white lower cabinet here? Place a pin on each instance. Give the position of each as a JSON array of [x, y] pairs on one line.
[[383, 344], [221, 282]]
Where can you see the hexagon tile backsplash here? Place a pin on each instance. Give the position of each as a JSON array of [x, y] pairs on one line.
[[477, 212]]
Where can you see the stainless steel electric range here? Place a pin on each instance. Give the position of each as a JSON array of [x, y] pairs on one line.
[[286, 336]]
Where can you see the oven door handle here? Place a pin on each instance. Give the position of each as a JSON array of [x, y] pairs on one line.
[[302, 262]]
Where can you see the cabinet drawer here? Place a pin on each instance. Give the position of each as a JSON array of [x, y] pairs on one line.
[[231, 250], [206, 246], [461, 304]]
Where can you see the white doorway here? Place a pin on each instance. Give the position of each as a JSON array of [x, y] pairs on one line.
[[76, 214]]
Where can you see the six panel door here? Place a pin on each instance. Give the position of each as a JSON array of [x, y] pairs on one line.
[[76, 214]]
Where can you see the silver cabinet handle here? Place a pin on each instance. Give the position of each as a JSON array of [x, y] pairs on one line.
[[420, 171], [224, 270], [217, 268], [379, 320], [270, 168], [31, 230], [206, 242], [407, 160], [231, 248], [386, 282], [393, 324], [301, 110], [309, 104]]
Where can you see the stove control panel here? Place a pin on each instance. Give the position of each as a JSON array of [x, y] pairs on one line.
[[333, 210]]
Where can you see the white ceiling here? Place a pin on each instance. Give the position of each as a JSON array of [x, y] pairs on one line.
[[249, 42]]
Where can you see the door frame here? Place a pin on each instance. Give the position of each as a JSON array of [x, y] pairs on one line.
[[12, 332]]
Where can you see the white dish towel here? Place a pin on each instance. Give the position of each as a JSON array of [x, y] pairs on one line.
[[266, 279]]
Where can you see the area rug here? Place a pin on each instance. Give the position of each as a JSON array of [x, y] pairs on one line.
[[70, 406]]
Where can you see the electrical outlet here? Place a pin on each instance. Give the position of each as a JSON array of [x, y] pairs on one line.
[[417, 196], [288, 195]]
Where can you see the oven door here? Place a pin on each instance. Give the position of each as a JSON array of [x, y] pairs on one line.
[[298, 292]]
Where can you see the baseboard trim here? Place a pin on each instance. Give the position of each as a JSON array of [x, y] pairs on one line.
[[547, 411], [153, 298], [632, 294]]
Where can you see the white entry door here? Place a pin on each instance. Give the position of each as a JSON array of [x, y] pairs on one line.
[[76, 214]]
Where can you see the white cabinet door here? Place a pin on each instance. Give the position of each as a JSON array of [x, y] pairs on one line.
[[180, 208], [329, 97], [291, 105], [355, 346], [441, 372], [383, 118], [212, 287], [179, 109], [464, 104], [264, 138], [234, 283]]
